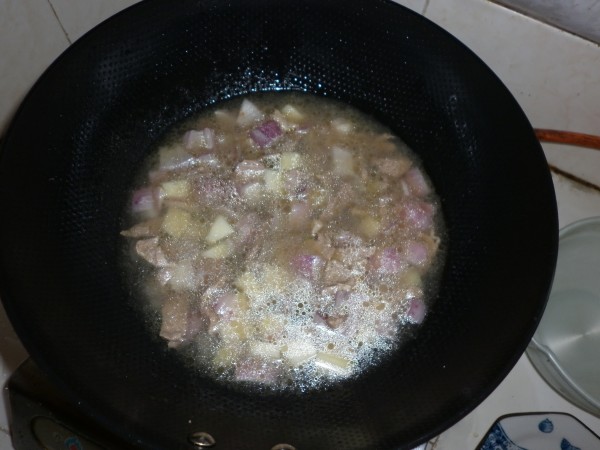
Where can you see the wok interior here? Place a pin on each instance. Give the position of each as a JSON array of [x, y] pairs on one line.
[[102, 106]]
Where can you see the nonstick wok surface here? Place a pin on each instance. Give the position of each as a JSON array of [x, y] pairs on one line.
[[70, 156]]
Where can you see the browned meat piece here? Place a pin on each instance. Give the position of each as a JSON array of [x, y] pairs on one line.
[[323, 245], [255, 369], [175, 317], [213, 191], [150, 250], [392, 167], [340, 201], [247, 230], [329, 320], [356, 255], [149, 228], [336, 272], [335, 321], [340, 293]]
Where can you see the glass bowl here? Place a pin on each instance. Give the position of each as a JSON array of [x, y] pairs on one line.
[[565, 348]]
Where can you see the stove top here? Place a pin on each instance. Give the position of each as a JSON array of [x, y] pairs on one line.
[[43, 418]]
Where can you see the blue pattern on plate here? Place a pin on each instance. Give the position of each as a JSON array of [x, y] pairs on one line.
[[546, 426], [566, 445], [498, 440]]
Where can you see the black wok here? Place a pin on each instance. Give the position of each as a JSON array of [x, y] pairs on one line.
[[68, 162]]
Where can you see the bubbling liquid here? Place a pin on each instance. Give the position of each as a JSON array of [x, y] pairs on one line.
[[285, 241]]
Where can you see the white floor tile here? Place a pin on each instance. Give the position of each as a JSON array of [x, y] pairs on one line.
[[30, 39], [579, 17], [415, 5], [12, 354], [582, 162], [78, 17], [554, 75], [5, 442], [575, 202]]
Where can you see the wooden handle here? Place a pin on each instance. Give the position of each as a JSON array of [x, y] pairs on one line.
[[568, 137]]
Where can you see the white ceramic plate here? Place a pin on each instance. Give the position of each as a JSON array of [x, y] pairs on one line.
[[539, 431]]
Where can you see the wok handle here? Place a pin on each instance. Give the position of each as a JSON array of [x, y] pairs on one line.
[[568, 137]]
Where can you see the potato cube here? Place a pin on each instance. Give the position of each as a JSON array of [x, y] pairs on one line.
[[176, 188], [219, 229], [369, 226], [290, 160], [292, 114], [177, 222], [248, 113], [226, 355], [273, 182], [183, 277], [341, 126]]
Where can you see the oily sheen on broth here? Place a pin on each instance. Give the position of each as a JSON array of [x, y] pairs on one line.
[[284, 240]]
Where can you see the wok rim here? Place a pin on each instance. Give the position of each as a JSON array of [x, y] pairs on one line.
[[92, 411]]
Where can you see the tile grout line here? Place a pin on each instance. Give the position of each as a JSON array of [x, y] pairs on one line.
[[574, 178], [59, 22]]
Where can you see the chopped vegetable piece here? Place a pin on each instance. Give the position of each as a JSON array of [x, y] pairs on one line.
[[177, 222], [176, 188], [273, 181], [370, 227], [288, 242], [265, 350], [333, 363], [203, 139], [298, 352], [343, 161], [220, 229], [266, 134], [145, 201], [248, 114], [342, 126], [290, 160], [218, 251], [292, 113]]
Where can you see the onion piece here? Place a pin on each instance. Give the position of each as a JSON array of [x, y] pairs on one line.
[[416, 310], [416, 253], [266, 134], [299, 215], [416, 214], [146, 200], [416, 183], [309, 266], [226, 305], [387, 261]]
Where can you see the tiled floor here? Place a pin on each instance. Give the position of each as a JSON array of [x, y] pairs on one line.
[[554, 75]]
